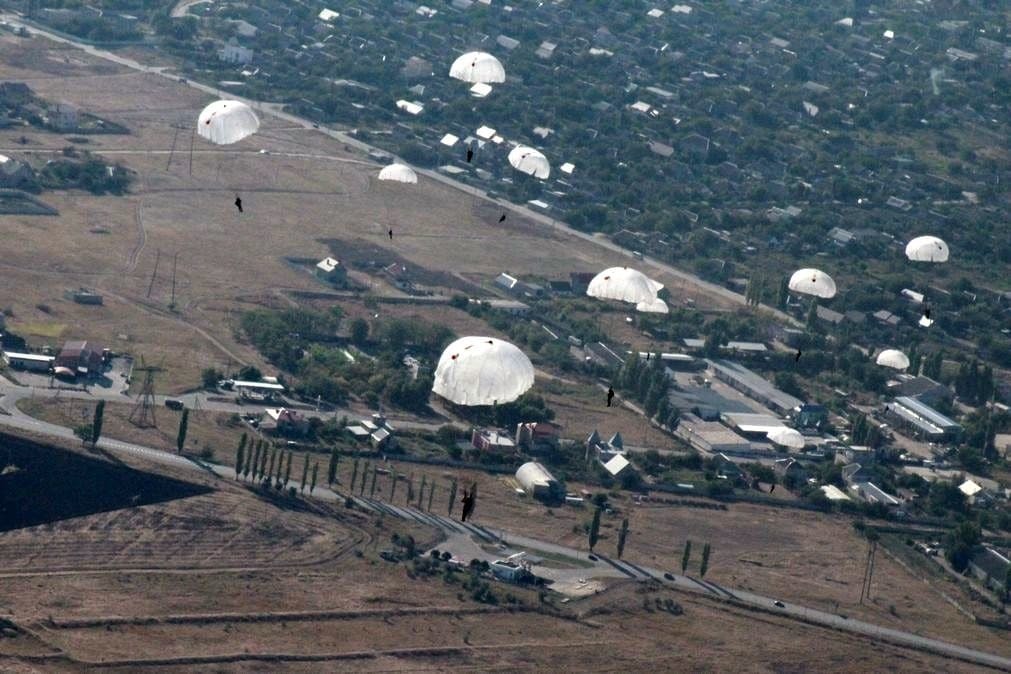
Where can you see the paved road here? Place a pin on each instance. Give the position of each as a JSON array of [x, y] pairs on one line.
[[10, 394], [276, 110]]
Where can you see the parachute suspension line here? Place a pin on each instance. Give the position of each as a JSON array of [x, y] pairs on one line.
[[193, 138]]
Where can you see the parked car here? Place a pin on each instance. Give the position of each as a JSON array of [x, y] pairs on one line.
[[174, 404]]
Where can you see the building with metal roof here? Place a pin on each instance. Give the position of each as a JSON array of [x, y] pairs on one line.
[[758, 425], [754, 386], [922, 420]]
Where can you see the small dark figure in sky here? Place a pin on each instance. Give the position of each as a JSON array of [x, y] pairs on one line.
[[797, 357], [238, 203], [468, 505], [391, 234], [470, 154], [610, 395], [502, 219]]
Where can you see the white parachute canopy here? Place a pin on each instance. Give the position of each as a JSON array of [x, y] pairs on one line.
[[400, 173], [813, 282], [656, 306], [482, 371], [927, 249], [227, 122], [787, 437], [530, 161], [627, 285], [893, 358], [477, 66]]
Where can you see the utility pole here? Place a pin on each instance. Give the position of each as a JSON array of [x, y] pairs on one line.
[[154, 274], [872, 540], [172, 303]]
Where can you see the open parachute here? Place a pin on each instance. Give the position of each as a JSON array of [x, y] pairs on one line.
[[813, 282], [227, 122], [530, 161], [482, 371], [927, 249], [477, 67], [400, 173], [628, 285], [893, 358]]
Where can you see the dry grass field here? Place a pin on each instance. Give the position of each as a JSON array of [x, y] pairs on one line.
[[226, 581], [205, 429], [810, 558], [307, 191]]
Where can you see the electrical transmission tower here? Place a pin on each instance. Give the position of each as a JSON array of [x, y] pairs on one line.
[[142, 414]]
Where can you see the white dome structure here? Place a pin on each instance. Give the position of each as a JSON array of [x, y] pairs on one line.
[[227, 122], [927, 249], [477, 67], [536, 480], [530, 161], [482, 371], [893, 358], [627, 285], [787, 437], [813, 282], [656, 306], [400, 173]]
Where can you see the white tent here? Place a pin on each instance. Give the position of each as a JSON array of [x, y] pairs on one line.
[[400, 173], [655, 306], [477, 66], [530, 161], [627, 285], [813, 282], [927, 249], [893, 358], [482, 371], [227, 122], [787, 437]]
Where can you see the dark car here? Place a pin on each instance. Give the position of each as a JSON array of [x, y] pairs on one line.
[[173, 404], [668, 576], [778, 604]]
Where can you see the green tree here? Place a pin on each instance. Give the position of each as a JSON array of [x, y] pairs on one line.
[[452, 498], [393, 484], [705, 560], [622, 534], [287, 468], [331, 469], [210, 378], [421, 491], [595, 527], [315, 473], [270, 463], [84, 432], [96, 423], [354, 476], [372, 487], [960, 544], [686, 557], [250, 465], [184, 421], [240, 458], [305, 472], [365, 477], [431, 495], [359, 331]]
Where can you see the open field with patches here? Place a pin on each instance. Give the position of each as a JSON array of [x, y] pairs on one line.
[[308, 190], [801, 556]]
